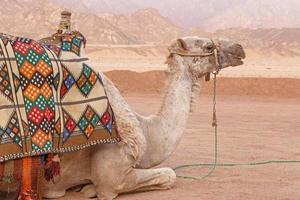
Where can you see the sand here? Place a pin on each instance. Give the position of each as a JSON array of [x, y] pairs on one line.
[[258, 121], [153, 82]]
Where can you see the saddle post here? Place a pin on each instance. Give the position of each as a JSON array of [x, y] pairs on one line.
[[30, 182]]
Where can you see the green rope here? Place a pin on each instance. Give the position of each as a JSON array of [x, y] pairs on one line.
[[215, 125], [239, 164], [215, 164]]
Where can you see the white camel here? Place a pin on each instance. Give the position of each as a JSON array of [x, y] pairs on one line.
[[146, 141]]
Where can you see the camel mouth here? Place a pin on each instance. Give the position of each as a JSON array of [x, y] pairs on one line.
[[237, 59], [237, 53], [240, 56]]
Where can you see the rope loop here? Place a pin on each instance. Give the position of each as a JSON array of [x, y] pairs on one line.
[[215, 125]]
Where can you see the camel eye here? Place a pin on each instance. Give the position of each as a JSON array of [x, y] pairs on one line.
[[210, 47]]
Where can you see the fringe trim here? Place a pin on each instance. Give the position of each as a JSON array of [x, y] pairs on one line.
[[59, 150]]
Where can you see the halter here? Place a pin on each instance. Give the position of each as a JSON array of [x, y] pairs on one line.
[[215, 52]]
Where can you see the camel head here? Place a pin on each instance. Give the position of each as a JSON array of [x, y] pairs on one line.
[[197, 57], [200, 56]]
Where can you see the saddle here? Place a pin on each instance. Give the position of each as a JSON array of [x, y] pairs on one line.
[[52, 101]]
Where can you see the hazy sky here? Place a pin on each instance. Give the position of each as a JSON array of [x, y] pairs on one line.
[[256, 13]]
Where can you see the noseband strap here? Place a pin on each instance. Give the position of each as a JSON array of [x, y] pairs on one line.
[[191, 54], [194, 54]]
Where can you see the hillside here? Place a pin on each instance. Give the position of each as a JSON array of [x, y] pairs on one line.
[[144, 26], [283, 42], [40, 17], [28, 18]]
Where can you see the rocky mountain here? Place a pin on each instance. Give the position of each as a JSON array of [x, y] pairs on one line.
[[39, 18], [144, 26], [102, 6], [28, 18], [284, 41], [284, 36]]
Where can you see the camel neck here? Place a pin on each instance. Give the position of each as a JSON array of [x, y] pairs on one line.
[[177, 98], [165, 129]]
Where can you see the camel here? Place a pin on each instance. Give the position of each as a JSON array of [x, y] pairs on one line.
[[113, 169]]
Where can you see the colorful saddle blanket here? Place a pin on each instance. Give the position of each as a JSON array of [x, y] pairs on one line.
[[51, 99]]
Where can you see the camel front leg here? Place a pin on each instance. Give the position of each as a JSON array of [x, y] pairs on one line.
[[153, 179], [136, 180]]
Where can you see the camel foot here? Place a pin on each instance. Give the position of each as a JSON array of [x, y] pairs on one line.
[[89, 191], [154, 179], [50, 194], [139, 180], [106, 196]]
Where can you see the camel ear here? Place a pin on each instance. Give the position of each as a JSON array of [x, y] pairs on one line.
[[181, 43]]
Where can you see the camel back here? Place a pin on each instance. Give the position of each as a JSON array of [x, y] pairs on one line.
[[51, 99]]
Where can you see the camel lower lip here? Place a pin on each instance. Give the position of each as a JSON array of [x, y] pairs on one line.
[[238, 57], [238, 62], [241, 63]]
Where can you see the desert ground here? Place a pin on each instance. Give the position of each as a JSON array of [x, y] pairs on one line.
[[258, 114], [251, 128]]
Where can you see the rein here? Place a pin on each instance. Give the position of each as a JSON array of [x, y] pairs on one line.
[[215, 126], [214, 120]]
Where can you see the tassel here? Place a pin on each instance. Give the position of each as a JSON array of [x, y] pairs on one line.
[[207, 77], [214, 123], [52, 167]]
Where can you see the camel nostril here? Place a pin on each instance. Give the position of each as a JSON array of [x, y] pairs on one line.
[[239, 51]]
